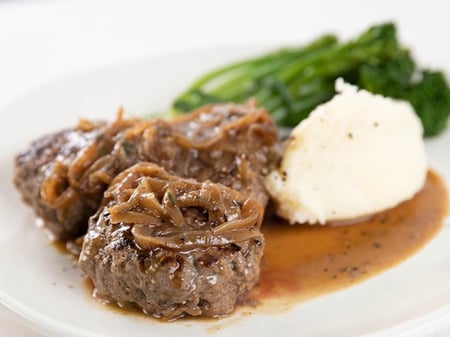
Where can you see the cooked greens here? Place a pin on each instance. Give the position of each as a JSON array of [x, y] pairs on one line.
[[292, 81]]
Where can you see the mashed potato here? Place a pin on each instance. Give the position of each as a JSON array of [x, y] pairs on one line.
[[353, 156]]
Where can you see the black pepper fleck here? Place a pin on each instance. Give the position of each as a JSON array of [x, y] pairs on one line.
[[376, 245]]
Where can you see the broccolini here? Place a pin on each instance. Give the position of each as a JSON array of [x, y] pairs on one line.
[[291, 82]]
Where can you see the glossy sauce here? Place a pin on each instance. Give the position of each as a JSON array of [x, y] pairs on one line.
[[301, 261]]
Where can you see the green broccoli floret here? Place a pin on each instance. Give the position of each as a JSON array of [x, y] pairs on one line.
[[391, 77], [430, 97]]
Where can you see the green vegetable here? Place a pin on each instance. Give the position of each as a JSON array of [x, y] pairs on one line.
[[127, 147], [171, 198], [430, 98], [291, 82]]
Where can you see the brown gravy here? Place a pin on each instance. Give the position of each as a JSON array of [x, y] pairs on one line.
[[301, 261]]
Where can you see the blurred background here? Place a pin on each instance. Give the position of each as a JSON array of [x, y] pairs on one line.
[[43, 40]]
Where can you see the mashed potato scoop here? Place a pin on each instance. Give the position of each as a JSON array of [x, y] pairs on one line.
[[355, 155]]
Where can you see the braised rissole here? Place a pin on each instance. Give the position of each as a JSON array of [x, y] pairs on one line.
[[63, 175], [173, 246]]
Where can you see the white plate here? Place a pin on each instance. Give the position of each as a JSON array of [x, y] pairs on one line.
[[43, 287]]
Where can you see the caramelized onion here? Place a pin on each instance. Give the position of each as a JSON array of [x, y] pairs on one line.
[[213, 122], [84, 175], [176, 213], [54, 190], [87, 172], [209, 133], [193, 239]]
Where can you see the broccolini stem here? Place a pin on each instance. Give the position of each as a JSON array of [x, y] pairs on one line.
[[290, 83]]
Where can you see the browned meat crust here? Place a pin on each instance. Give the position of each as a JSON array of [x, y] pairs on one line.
[[63, 176], [173, 246]]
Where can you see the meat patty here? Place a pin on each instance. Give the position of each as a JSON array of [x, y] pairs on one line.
[[41, 175], [234, 145], [173, 246]]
